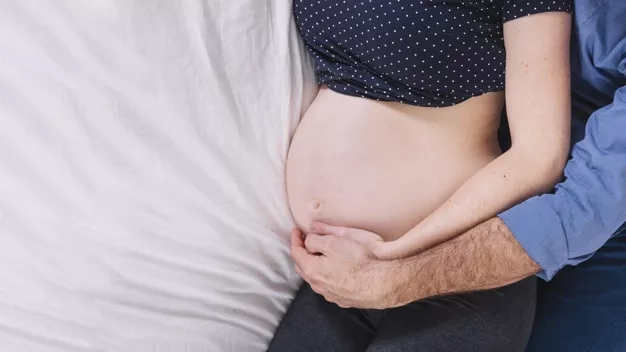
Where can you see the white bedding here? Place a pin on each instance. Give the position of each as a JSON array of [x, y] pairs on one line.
[[142, 147]]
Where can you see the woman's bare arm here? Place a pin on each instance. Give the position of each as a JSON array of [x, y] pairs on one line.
[[538, 108]]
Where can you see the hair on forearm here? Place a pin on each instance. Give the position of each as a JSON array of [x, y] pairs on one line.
[[485, 257]]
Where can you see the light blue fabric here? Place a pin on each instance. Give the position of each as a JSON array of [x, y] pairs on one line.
[[587, 209]]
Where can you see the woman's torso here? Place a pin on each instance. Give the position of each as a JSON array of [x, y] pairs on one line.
[[361, 158], [384, 166]]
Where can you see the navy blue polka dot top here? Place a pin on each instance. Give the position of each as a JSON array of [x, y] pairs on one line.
[[422, 52]]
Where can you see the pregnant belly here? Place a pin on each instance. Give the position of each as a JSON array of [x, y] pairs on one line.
[[381, 166]]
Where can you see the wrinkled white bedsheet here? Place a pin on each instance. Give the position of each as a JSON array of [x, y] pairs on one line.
[[142, 148]]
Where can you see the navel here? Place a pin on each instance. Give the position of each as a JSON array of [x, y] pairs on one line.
[[315, 205]]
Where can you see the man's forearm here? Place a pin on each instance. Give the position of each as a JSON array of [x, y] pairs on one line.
[[488, 256]]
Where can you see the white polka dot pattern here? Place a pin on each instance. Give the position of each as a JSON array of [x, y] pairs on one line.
[[421, 52]]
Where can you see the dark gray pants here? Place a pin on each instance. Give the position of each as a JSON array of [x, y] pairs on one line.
[[490, 321]]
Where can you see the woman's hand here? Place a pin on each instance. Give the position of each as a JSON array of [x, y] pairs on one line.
[[379, 249], [341, 264], [368, 239]]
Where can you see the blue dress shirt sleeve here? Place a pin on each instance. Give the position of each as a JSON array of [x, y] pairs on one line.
[[586, 210]]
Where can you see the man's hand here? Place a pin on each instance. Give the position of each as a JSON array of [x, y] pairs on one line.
[[342, 265], [339, 263]]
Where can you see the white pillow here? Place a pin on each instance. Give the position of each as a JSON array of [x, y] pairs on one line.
[[142, 150]]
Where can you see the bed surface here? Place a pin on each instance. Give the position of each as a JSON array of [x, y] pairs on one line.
[[142, 148]]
